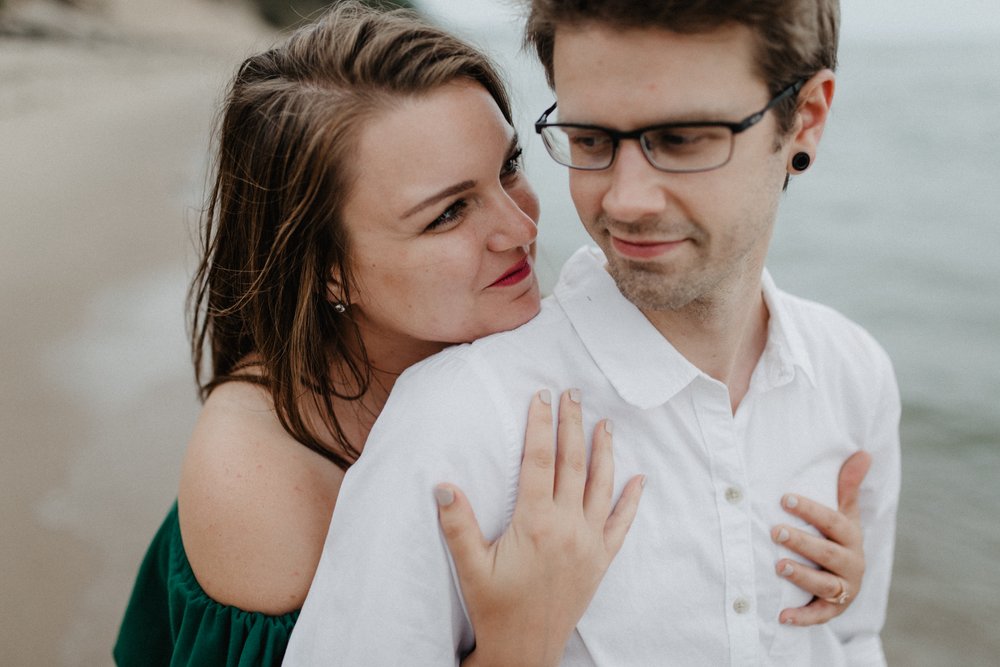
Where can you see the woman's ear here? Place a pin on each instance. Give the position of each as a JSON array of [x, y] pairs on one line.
[[811, 115], [334, 287]]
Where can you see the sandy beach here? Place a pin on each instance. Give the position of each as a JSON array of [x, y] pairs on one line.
[[104, 126]]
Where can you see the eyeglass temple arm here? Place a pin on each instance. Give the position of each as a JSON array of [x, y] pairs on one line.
[[750, 121], [544, 118]]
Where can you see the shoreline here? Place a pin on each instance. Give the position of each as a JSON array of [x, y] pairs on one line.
[[106, 137]]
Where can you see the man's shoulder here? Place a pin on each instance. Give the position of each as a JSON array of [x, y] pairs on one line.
[[829, 335], [474, 387], [525, 346], [819, 316]]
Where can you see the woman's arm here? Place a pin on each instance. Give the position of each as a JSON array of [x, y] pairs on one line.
[[839, 552], [526, 591]]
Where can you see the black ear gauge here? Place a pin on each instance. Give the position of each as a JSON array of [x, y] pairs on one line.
[[801, 161]]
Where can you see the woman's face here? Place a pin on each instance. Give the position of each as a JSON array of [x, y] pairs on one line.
[[441, 222]]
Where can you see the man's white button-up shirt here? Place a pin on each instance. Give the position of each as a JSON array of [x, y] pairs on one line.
[[694, 583]]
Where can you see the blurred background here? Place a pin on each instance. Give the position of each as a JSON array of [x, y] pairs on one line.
[[106, 109]]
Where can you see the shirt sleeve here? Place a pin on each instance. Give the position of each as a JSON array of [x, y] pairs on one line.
[[859, 628], [384, 592]]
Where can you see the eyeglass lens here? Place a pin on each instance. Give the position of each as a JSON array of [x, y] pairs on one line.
[[670, 148]]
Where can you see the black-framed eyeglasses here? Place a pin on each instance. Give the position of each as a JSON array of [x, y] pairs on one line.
[[673, 147]]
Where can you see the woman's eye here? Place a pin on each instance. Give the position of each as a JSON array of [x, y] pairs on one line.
[[451, 215], [512, 165]]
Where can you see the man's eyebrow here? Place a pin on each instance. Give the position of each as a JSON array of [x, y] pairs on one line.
[[705, 115], [443, 194]]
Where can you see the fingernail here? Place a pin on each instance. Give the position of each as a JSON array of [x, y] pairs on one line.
[[642, 481], [609, 426], [782, 535], [787, 570], [574, 395], [791, 502], [788, 621], [444, 496], [545, 396]]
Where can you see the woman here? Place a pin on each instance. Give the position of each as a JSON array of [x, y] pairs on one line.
[[339, 250]]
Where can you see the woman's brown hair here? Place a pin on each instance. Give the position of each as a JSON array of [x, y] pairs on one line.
[[272, 234]]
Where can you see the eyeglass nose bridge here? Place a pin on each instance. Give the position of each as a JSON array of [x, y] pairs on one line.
[[618, 136]]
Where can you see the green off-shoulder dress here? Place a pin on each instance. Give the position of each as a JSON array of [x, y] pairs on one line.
[[171, 621]]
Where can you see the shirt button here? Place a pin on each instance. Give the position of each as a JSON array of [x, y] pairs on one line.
[[734, 495], [741, 605]]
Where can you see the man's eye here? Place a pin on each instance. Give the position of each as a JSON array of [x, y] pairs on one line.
[[684, 138], [591, 142]]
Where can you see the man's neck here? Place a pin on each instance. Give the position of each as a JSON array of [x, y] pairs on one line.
[[723, 336]]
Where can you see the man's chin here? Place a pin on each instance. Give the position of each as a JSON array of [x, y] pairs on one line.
[[648, 289]]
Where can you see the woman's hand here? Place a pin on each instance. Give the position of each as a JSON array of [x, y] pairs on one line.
[[840, 553], [526, 591]]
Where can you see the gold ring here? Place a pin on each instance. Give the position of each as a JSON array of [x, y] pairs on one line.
[[841, 596]]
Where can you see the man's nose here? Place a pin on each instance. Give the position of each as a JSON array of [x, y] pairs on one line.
[[636, 188]]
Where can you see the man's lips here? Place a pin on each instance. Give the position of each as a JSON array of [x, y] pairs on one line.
[[644, 249], [514, 274]]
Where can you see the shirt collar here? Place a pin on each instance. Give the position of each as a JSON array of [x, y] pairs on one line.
[[786, 349], [644, 368]]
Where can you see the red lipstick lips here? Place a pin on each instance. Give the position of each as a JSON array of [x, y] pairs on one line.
[[514, 274]]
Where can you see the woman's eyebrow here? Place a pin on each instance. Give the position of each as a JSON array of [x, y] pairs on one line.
[[458, 187], [514, 144], [443, 194]]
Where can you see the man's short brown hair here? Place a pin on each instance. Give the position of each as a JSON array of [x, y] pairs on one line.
[[795, 38]]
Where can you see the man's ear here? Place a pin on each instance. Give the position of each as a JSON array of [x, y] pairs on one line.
[[811, 115]]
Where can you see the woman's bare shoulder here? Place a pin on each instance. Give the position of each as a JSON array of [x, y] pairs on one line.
[[254, 503]]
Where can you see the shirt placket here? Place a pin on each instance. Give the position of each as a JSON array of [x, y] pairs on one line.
[[728, 476]]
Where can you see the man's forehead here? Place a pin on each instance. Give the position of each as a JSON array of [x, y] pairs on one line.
[[644, 52], [643, 76]]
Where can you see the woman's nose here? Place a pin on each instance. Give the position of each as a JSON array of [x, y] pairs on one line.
[[515, 222]]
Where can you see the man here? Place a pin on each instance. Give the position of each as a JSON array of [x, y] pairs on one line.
[[681, 123]]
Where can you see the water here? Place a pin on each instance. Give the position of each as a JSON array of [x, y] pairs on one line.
[[897, 225]]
